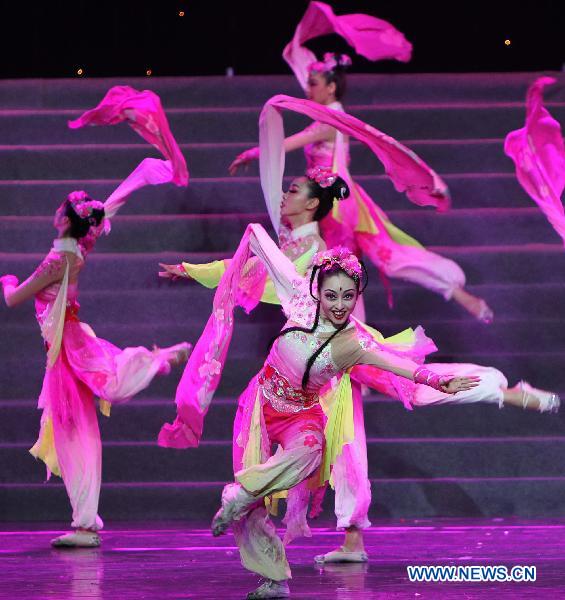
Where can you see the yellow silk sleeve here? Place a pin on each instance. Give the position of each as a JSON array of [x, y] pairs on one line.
[[208, 274]]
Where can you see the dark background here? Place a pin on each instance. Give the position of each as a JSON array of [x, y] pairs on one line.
[[55, 38]]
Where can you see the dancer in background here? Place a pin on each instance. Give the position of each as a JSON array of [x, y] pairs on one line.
[[305, 198], [81, 366], [360, 223]]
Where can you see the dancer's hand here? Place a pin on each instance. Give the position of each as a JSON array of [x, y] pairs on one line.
[[238, 162], [9, 280], [173, 272], [244, 159], [461, 384]]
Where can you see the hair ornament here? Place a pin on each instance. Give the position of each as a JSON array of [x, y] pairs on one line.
[[340, 256], [323, 176], [330, 62], [83, 205]]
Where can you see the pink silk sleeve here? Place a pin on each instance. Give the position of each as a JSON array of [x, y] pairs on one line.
[[150, 171], [203, 371], [539, 155], [372, 38], [144, 113], [407, 171]]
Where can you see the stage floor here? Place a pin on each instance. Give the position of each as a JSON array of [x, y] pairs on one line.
[[175, 560]]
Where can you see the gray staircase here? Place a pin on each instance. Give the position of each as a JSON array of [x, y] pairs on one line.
[[441, 461]]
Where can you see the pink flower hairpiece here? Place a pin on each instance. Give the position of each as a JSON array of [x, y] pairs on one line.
[[330, 62], [323, 176], [341, 256], [83, 205]]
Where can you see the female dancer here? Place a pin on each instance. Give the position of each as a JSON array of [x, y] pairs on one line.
[[282, 403], [81, 366], [303, 204], [361, 224]]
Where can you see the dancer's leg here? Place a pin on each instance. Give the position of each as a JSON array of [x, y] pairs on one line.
[[114, 374], [490, 389], [399, 256], [79, 455], [493, 388], [352, 491], [300, 437]]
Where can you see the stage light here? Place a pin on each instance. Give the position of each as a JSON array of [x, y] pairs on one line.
[[79, 72], [149, 72], [181, 13], [507, 42]]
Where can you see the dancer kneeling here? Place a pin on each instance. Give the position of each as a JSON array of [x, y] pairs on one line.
[[80, 366]]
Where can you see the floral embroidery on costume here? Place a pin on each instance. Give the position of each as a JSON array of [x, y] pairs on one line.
[[311, 441]]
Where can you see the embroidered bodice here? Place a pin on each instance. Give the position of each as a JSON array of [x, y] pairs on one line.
[[63, 250], [321, 153]]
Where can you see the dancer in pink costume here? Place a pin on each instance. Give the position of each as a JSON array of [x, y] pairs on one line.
[[305, 199], [360, 223], [81, 366], [282, 403]]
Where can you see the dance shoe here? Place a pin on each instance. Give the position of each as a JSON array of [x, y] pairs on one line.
[[77, 539], [486, 314], [173, 356], [236, 501], [341, 555], [270, 589], [548, 401]]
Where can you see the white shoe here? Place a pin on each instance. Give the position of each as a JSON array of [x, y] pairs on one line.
[[236, 501], [172, 356], [486, 315], [548, 401], [342, 556], [77, 539], [270, 589]]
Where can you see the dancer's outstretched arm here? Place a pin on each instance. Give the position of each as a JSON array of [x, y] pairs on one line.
[[348, 352], [48, 272], [316, 132]]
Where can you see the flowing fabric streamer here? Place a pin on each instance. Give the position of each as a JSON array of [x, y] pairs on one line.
[[203, 371], [145, 115], [539, 155], [338, 407], [407, 171], [372, 38]]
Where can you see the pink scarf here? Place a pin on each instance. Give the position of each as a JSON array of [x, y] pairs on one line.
[[539, 155], [373, 38], [407, 171], [144, 114], [203, 371]]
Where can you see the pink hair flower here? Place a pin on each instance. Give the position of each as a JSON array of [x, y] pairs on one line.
[[323, 176], [341, 256]]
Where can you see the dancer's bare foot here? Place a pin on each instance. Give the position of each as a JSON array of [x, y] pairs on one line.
[[474, 305]]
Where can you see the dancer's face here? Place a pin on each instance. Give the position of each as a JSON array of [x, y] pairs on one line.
[[296, 201], [61, 222], [338, 297], [319, 90]]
